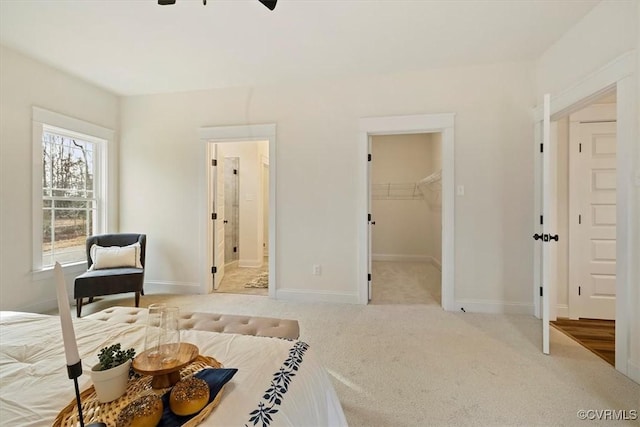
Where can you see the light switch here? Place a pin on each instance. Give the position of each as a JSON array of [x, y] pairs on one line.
[[460, 190]]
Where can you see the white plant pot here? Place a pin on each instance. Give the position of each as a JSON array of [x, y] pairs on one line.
[[112, 383]]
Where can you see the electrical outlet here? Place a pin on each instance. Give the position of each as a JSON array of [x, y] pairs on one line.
[[316, 269]]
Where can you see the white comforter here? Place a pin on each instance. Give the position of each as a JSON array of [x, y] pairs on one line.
[[34, 385]]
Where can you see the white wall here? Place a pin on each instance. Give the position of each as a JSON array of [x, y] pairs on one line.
[[317, 134], [25, 83], [402, 227], [250, 199], [605, 33]]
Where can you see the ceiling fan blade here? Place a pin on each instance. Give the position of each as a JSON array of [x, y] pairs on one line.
[[271, 4]]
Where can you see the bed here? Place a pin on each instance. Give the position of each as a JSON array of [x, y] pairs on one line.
[[35, 386]]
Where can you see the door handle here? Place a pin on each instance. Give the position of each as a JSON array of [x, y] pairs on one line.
[[373, 223], [225, 221], [546, 237]]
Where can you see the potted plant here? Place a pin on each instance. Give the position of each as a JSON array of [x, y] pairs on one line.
[[111, 373]]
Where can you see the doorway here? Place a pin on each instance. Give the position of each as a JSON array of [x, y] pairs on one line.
[[241, 168], [586, 212], [616, 76], [406, 210], [212, 139], [395, 125]]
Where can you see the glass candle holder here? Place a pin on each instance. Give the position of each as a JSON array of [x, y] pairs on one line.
[[171, 337], [154, 334]]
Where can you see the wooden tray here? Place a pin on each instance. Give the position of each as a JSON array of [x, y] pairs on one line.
[[164, 375], [94, 411]]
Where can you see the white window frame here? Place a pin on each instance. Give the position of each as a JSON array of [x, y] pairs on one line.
[[44, 120]]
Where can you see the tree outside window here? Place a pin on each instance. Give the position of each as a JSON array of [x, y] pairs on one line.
[[68, 197]]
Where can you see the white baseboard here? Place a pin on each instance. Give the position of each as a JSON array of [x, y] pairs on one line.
[[163, 287], [304, 295], [401, 258], [493, 307], [40, 306], [251, 263], [231, 265], [562, 310], [633, 371]]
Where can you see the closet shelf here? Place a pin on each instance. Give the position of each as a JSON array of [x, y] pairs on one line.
[[431, 189], [428, 188], [433, 179], [396, 191]]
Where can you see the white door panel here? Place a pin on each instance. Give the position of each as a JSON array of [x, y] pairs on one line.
[[218, 209], [596, 235], [369, 234], [549, 210]]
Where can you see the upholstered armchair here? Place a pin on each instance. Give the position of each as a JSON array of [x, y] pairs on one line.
[[116, 265]]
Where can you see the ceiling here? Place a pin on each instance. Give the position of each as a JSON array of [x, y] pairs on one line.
[[138, 47]]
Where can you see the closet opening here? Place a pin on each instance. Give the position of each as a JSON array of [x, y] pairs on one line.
[[406, 218]]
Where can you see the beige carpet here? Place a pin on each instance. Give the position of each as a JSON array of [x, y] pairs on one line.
[[409, 363]]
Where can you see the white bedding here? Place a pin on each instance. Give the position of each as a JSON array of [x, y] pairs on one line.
[[34, 385]]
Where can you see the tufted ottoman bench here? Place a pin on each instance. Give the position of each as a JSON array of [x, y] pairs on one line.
[[225, 323]]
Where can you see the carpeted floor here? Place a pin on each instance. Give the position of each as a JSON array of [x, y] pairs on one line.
[[409, 363]]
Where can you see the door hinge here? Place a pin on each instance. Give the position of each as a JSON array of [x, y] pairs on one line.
[[214, 216], [369, 157], [540, 290], [369, 217], [541, 147], [541, 220], [580, 147], [214, 270], [579, 290], [579, 219], [235, 171], [235, 249], [214, 162], [369, 277]]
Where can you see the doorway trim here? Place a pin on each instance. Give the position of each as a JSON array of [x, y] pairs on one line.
[[222, 134], [395, 125], [619, 73]]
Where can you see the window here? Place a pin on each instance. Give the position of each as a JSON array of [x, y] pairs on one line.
[[69, 198], [69, 187]]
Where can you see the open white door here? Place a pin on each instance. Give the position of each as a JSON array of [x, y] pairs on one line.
[[547, 238], [370, 222], [218, 217]]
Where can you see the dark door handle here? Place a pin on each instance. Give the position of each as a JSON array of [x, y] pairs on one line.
[[225, 221], [545, 237], [373, 223]]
